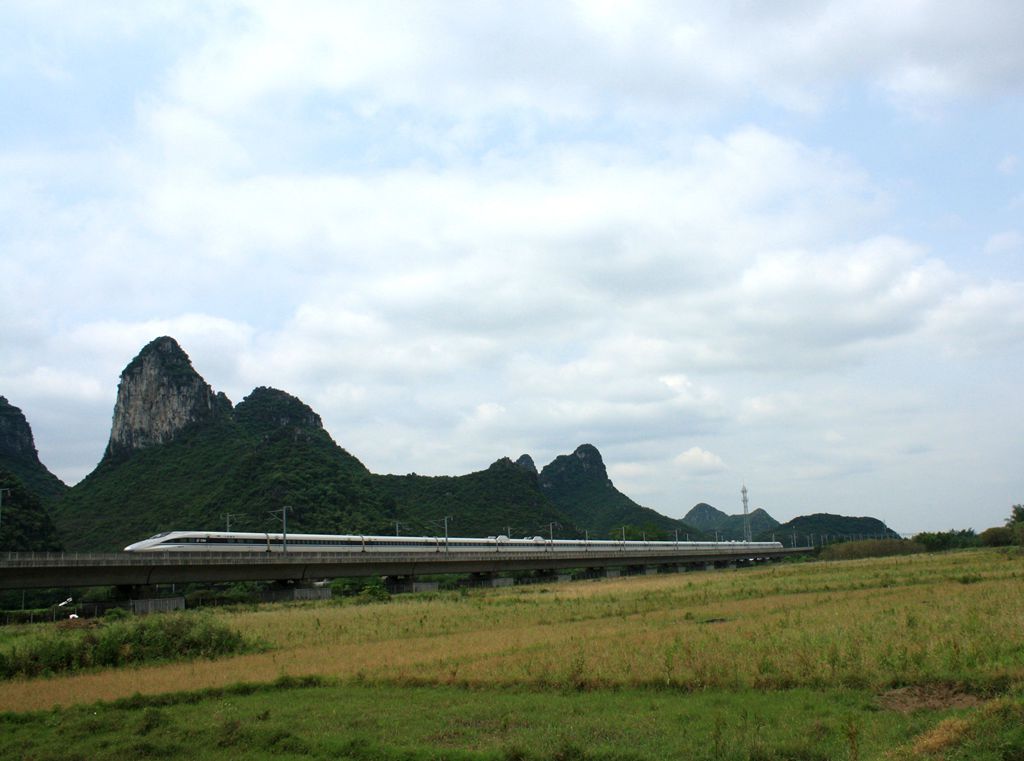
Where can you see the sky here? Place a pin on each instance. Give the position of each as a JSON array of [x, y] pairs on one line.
[[774, 244]]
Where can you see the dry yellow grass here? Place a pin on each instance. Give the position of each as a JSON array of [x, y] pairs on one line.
[[868, 624], [944, 735]]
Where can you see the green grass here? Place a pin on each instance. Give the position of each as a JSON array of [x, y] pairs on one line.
[[374, 722]]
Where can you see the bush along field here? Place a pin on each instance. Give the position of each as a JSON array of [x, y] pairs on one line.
[[917, 656], [77, 645]]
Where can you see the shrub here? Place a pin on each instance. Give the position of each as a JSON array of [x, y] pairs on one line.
[[997, 536], [123, 642], [373, 593]]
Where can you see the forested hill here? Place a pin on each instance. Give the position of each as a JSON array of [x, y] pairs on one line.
[[578, 485], [715, 522], [812, 528], [182, 457], [18, 455], [25, 524], [503, 499]]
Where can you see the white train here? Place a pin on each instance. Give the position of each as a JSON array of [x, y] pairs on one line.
[[234, 541]]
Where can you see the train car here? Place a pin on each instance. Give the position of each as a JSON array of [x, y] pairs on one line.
[[237, 541]]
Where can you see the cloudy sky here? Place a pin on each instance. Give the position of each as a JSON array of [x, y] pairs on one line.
[[724, 242]]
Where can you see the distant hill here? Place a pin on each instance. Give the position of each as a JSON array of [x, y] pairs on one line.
[[711, 520], [579, 486], [504, 499], [25, 524], [705, 517], [808, 528], [18, 455]]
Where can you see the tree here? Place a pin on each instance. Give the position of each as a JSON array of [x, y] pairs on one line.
[[937, 541], [1015, 523], [1016, 515], [997, 536]]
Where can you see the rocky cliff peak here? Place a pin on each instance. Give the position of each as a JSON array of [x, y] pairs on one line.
[[582, 466], [590, 459], [16, 440], [266, 409], [160, 393], [525, 462]]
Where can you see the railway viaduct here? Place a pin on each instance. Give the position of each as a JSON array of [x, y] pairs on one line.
[[38, 570]]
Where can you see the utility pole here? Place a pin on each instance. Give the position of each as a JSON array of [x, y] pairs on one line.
[[228, 516], [446, 519], [551, 534], [284, 524]]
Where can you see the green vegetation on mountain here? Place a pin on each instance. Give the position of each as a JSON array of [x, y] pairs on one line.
[[705, 517], [711, 520], [504, 499], [18, 455], [579, 486], [25, 524], [826, 527], [261, 457]]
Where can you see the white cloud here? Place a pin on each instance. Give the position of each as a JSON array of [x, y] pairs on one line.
[[981, 319], [697, 461], [569, 61], [1008, 242]]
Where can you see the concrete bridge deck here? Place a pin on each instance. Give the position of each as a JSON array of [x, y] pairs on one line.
[[35, 570]]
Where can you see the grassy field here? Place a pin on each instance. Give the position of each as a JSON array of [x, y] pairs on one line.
[[915, 656]]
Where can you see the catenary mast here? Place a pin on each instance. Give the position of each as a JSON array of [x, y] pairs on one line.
[[746, 515]]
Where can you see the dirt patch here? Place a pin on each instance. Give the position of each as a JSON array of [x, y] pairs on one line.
[[78, 623], [935, 697]]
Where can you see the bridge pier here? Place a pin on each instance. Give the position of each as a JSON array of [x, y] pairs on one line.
[[546, 576], [489, 580], [288, 594], [406, 584], [130, 591]]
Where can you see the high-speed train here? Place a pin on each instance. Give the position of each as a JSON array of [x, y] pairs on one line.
[[233, 541]]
